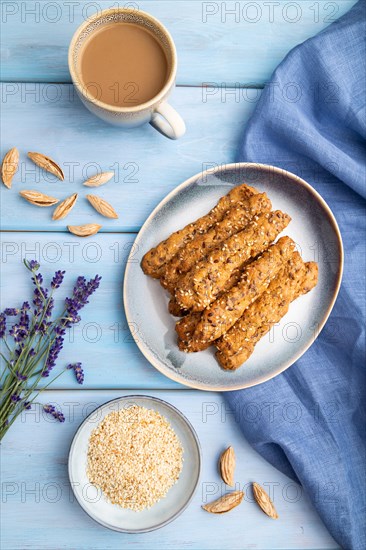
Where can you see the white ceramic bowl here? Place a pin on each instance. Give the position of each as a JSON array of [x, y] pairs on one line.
[[166, 510]]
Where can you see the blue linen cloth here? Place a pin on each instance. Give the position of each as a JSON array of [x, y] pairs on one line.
[[311, 120]]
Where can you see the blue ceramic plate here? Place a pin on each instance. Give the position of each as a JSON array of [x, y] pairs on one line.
[[313, 228], [167, 509]]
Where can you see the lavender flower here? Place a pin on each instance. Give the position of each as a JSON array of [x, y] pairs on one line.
[[50, 409], [43, 327], [57, 279], [37, 301], [82, 291], [33, 265], [52, 356], [11, 311], [40, 328], [18, 332], [2, 325], [38, 342], [15, 398], [79, 373], [24, 317], [37, 279], [60, 330], [94, 284], [43, 308], [50, 306], [39, 297]]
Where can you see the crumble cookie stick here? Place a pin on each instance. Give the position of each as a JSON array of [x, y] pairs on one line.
[[235, 219], [247, 332], [223, 313], [186, 326], [175, 309], [201, 285], [281, 289], [154, 260], [310, 280], [189, 346]]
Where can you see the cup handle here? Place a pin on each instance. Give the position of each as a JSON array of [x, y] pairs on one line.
[[167, 121]]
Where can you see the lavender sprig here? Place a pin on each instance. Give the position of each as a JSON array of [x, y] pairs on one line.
[[82, 291], [11, 312], [52, 356], [79, 373], [2, 325], [57, 279], [33, 265], [37, 343], [50, 409]]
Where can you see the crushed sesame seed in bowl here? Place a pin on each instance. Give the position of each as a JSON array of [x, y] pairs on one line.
[[134, 457]]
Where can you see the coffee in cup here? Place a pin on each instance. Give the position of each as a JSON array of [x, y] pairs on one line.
[[123, 63]]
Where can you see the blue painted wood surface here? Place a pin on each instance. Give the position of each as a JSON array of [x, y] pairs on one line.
[[147, 165], [39, 511], [231, 51], [222, 42], [102, 341]]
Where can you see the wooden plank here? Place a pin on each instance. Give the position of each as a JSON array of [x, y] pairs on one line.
[[102, 341], [36, 493], [222, 42], [51, 119]]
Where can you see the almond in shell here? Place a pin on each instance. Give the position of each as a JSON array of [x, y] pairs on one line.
[[65, 207], [37, 198], [84, 230], [99, 179], [47, 164], [264, 502], [9, 166], [227, 466], [102, 206], [225, 503]]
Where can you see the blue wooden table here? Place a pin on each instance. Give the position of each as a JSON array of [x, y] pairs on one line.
[[227, 51]]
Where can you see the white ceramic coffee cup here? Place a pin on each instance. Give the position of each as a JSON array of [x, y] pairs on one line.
[[157, 111]]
